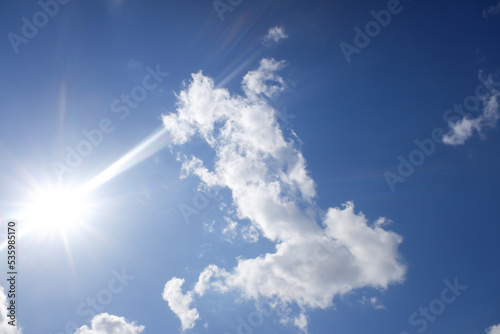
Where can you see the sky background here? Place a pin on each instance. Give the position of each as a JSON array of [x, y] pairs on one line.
[[275, 153]]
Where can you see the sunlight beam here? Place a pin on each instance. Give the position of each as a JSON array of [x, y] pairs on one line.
[[146, 148]]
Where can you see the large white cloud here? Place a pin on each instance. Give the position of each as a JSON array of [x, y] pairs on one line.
[[464, 129], [315, 259], [105, 323], [5, 328]]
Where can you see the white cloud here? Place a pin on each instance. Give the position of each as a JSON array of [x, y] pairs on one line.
[[105, 323], [205, 280], [208, 227], [382, 221], [301, 322], [373, 301], [464, 129], [492, 10], [493, 329], [314, 261], [264, 81], [179, 303], [5, 328], [250, 233], [275, 34], [230, 230]]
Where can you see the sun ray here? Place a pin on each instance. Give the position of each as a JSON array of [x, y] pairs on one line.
[[51, 209], [146, 148]]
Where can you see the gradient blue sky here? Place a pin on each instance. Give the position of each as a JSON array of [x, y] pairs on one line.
[[236, 85]]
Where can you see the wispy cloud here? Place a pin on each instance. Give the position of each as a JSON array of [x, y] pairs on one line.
[[465, 128], [274, 35], [373, 302], [105, 323], [114, 6], [135, 64], [492, 10], [271, 188], [250, 233], [230, 230]]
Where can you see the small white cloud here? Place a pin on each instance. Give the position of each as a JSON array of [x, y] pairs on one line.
[[250, 234], [264, 81], [5, 328], [373, 302], [493, 329], [382, 221], [105, 323], [301, 322], [275, 34], [208, 227], [461, 131], [464, 129], [491, 10], [230, 231], [179, 303], [376, 305]]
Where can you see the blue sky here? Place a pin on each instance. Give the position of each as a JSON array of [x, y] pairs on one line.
[[251, 167]]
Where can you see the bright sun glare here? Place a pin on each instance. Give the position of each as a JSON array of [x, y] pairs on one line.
[[56, 210]]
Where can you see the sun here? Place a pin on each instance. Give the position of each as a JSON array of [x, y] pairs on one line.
[[56, 209]]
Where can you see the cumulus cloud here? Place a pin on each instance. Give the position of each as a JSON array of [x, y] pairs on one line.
[[105, 323], [492, 10], [315, 259], [275, 34], [5, 328], [179, 303], [464, 129], [493, 329]]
